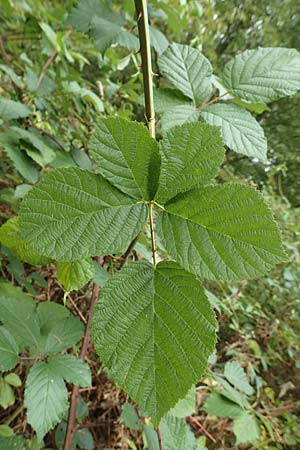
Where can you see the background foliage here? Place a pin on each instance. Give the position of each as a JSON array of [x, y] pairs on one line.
[[47, 113]]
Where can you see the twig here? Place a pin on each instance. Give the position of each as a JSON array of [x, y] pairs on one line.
[[48, 62], [4, 53], [125, 256], [214, 100], [160, 439], [71, 424], [202, 428], [77, 309]]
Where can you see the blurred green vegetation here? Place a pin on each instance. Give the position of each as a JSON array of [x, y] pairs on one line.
[[258, 320]]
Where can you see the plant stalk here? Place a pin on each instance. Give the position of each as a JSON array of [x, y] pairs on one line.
[[71, 424], [145, 50]]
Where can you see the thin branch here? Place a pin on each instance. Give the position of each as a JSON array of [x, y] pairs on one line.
[[160, 439], [49, 61], [125, 256], [145, 49], [71, 425], [202, 428], [214, 100]]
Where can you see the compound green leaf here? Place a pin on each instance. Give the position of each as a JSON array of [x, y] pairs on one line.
[[236, 375], [240, 131], [191, 156], [74, 275], [158, 40], [188, 70], [66, 333], [176, 434], [71, 369], [9, 109], [49, 314], [126, 156], [82, 14], [73, 214], [12, 443], [223, 232], [46, 398], [7, 397], [130, 418], [104, 33], [34, 145], [6, 431], [263, 75], [154, 330], [18, 316], [178, 115], [246, 429], [217, 405], [166, 99], [21, 161], [10, 236], [59, 329], [186, 406], [9, 350]]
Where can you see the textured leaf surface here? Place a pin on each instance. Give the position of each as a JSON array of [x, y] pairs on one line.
[[18, 316], [240, 131], [71, 369], [177, 435], [158, 40], [188, 70], [186, 406], [221, 232], [9, 350], [236, 375], [74, 275], [264, 74], [10, 236], [10, 109], [46, 398], [59, 329], [154, 330], [82, 14], [217, 405], [127, 156], [64, 334], [165, 99], [73, 213], [130, 418], [191, 156], [178, 115], [246, 428], [34, 145], [21, 161]]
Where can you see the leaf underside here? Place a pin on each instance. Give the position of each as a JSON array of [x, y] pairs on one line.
[[240, 131], [188, 70], [263, 75]]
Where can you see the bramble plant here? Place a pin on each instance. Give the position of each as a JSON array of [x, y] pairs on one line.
[[153, 326]]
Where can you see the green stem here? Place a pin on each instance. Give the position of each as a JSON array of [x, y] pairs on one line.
[[151, 222], [145, 50]]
